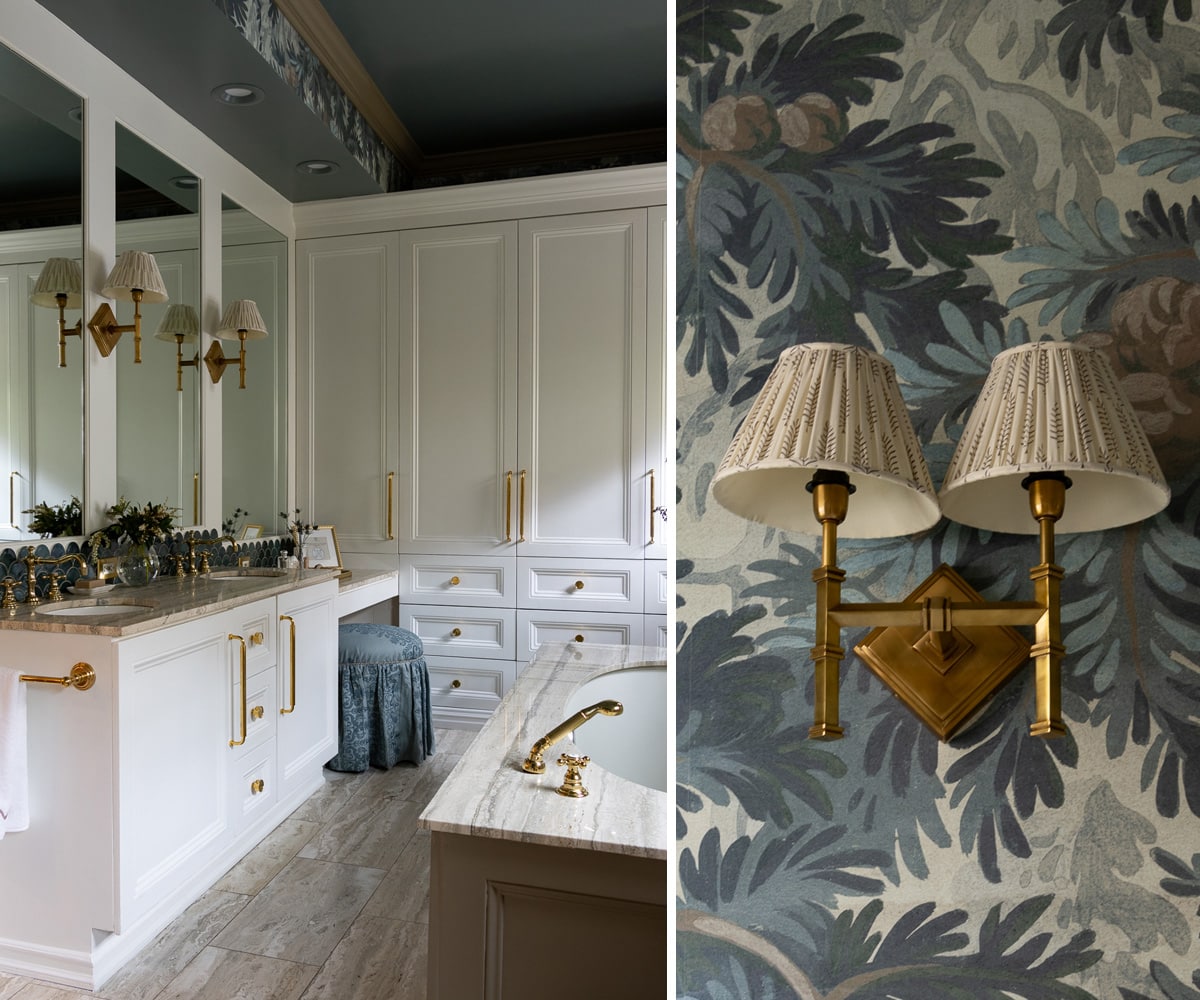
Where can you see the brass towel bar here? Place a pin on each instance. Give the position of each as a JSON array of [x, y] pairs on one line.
[[81, 677]]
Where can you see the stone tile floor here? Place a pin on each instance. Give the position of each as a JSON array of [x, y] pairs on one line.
[[332, 905]]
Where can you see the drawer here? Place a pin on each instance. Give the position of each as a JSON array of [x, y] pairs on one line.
[[253, 784], [537, 627], [471, 632], [467, 691], [658, 587], [657, 631], [262, 709], [256, 624], [580, 584], [479, 581]]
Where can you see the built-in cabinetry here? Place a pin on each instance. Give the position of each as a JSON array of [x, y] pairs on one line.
[[196, 740], [485, 408]]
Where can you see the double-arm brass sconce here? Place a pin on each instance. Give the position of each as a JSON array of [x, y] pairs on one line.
[[180, 325], [60, 283], [831, 420], [242, 321], [134, 278]]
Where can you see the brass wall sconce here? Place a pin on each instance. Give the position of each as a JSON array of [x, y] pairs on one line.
[[830, 420], [182, 326], [242, 321], [60, 283], [134, 278]]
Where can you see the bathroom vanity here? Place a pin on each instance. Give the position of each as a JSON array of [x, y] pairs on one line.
[[213, 709], [532, 893]]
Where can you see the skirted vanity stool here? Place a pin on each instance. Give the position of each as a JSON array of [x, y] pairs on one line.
[[383, 691]]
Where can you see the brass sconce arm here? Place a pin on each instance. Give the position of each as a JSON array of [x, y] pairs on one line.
[[944, 657], [65, 331], [216, 362], [180, 364]]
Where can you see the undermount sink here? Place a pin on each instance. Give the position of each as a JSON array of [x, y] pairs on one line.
[[246, 573], [91, 609]]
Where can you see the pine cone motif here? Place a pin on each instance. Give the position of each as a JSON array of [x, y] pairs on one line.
[[1160, 317], [812, 123], [739, 124]]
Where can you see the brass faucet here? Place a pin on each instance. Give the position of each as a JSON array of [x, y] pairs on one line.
[[192, 540], [216, 541], [32, 562], [534, 763]]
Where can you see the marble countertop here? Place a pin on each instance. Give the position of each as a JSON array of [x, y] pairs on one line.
[[163, 602], [488, 795]]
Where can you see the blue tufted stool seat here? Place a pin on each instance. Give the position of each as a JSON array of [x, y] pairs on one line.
[[383, 691]]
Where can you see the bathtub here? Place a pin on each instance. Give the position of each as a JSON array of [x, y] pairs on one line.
[[631, 745]]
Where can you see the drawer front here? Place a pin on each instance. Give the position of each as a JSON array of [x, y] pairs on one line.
[[658, 587], [657, 631], [537, 627], [603, 585], [466, 691], [473, 632], [253, 784], [262, 709], [477, 581], [257, 627]]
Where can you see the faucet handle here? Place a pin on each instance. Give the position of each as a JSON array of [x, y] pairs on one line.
[[572, 785], [10, 600]]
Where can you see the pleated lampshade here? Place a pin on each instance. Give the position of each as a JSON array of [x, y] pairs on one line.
[[1053, 407], [180, 320], [242, 316], [135, 269], [59, 275], [834, 407]]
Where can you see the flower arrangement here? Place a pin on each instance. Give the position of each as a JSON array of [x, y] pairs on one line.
[[298, 530], [232, 525], [141, 525], [61, 519]]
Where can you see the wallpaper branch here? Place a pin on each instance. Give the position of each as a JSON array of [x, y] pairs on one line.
[[938, 180]]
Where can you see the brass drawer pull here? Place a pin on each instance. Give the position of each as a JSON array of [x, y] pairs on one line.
[[257, 785], [455, 581], [456, 683], [292, 665], [256, 639], [238, 743], [256, 712], [456, 632], [579, 585], [579, 638]]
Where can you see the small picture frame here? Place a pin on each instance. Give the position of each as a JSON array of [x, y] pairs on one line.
[[321, 548], [250, 531], [106, 568]]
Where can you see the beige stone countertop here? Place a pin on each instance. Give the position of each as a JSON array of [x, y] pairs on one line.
[[488, 795], [166, 601]]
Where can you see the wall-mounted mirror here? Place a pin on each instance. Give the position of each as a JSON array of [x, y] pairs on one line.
[[254, 419], [158, 409], [41, 404]]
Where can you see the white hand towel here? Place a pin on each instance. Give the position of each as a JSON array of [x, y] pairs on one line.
[[14, 754]]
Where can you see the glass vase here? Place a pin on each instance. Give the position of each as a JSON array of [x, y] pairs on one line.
[[138, 566]]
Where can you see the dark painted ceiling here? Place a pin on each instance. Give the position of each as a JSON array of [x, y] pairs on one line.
[[467, 90]]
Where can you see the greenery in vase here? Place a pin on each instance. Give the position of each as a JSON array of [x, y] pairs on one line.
[[298, 530], [53, 520], [140, 524], [232, 525]]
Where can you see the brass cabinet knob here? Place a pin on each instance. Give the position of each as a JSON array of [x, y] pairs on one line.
[[455, 581], [256, 712], [257, 785], [456, 683], [256, 639], [579, 585], [579, 638], [456, 632]]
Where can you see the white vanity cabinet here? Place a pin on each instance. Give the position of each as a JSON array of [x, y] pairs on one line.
[[149, 786]]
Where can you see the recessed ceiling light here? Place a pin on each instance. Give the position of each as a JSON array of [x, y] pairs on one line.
[[185, 181], [318, 167], [237, 94]]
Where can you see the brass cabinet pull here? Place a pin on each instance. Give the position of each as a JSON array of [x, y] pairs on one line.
[[257, 785], [579, 585], [257, 639], [507, 506], [456, 632], [455, 581], [456, 683], [391, 496], [521, 511], [256, 712], [195, 498], [238, 743], [579, 638], [292, 658]]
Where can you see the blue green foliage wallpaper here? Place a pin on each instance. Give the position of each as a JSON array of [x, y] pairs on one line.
[[937, 180]]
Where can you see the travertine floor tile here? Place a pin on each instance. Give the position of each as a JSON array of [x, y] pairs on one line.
[[303, 913], [9, 986], [43, 991], [366, 832], [417, 784], [339, 788], [378, 959], [217, 974], [267, 860], [145, 976], [404, 892]]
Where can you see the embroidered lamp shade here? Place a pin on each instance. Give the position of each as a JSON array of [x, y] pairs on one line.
[[242, 319], [58, 276], [1053, 407], [179, 321], [838, 408], [135, 270]]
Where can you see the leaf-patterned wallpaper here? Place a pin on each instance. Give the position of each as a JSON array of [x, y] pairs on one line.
[[937, 180]]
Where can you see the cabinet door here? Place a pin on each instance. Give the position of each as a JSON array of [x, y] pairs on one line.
[[346, 315], [582, 385], [660, 411], [308, 698], [458, 390]]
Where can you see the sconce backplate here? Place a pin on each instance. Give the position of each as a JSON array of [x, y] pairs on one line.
[[215, 361], [944, 686], [105, 332]]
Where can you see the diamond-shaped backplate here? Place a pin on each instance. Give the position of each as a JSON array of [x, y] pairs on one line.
[[943, 692]]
